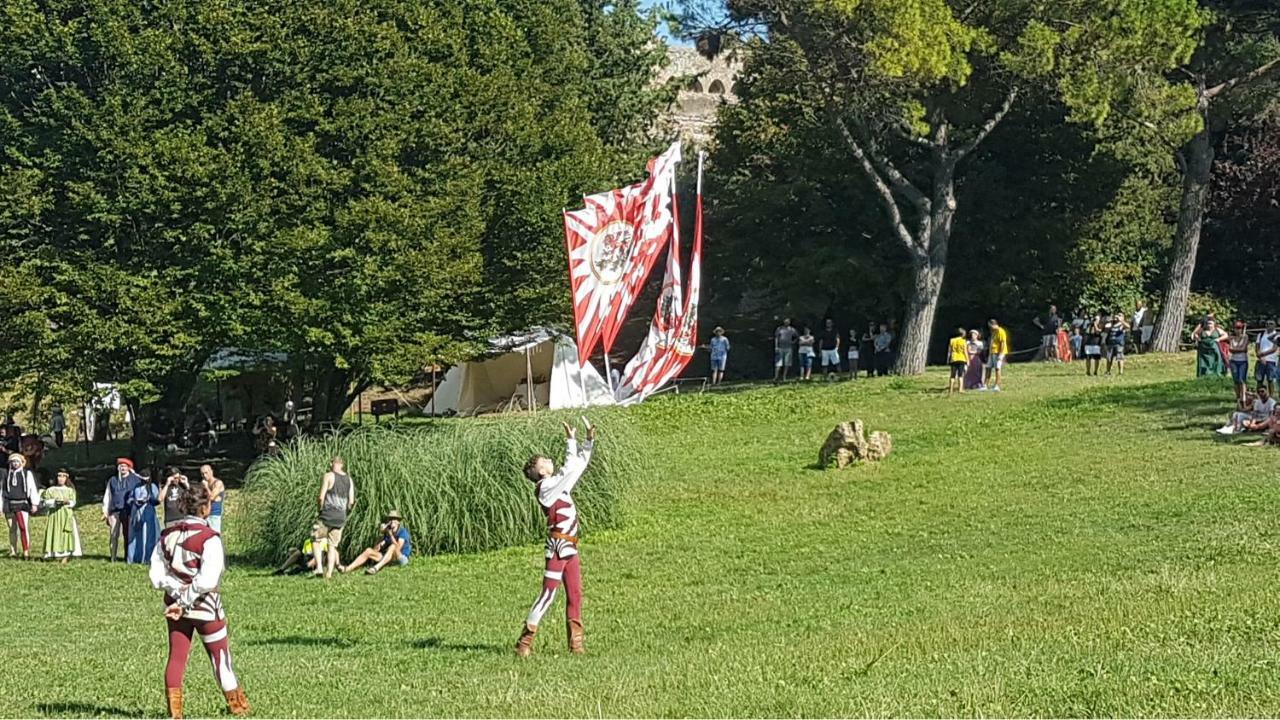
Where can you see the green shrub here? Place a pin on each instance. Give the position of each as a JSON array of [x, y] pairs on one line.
[[458, 483]]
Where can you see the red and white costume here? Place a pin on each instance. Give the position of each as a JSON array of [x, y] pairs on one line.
[[187, 565], [563, 565]]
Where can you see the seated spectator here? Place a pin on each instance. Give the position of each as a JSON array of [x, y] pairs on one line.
[[1271, 430], [1256, 418], [318, 537], [395, 545]]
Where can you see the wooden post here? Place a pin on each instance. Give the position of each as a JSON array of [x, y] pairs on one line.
[[528, 378]]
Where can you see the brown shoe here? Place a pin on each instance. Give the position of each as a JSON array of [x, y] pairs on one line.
[[576, 638], [237, 703], [524, 646], [174, 696]]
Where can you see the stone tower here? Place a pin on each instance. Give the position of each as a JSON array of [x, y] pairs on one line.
[[708, 85]]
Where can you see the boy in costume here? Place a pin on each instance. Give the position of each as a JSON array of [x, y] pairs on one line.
[[21, 498], [554, 490], [187, 565]]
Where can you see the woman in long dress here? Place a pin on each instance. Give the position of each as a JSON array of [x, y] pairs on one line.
[[143, 528], [61, 534], [1209, 357], [973, 371]]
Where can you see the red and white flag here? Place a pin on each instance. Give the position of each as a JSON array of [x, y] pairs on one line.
[[673, 333], [613, 243]]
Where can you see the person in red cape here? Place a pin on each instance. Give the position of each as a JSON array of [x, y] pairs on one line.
[[187, 565]]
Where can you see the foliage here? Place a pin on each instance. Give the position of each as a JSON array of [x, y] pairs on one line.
[[457, 483], [358, 184], [1071, 547]]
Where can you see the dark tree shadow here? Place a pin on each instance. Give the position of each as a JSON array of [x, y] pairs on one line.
[[85, 710], [306, 641], [435, 643]]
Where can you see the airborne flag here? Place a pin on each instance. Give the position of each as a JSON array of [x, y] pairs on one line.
[[612, 244]]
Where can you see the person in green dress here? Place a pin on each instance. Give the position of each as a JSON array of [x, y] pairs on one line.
[[61, 534], [1209, 360]]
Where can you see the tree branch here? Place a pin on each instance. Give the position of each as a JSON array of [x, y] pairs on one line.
[[990, 124], [886, 193], [1250, 76]]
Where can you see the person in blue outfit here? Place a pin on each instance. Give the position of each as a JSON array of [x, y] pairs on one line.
[[393, 546], [143, 528], [117, 504], [719, 355]]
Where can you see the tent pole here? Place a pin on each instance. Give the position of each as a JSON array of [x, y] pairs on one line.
[[528, 379], [433, 389], [608, 374]]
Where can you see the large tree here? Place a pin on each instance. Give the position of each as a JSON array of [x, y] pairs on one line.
[[368, 186], [909, 90], [1237, 63]]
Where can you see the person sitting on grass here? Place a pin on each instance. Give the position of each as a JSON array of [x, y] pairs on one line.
[[1256, 418], [305, 556], [1271, 430], [394, 545]]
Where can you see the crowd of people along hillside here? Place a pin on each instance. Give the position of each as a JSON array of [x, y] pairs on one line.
[[1237, 352]]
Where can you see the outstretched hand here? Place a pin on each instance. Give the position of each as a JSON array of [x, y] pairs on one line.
[[569, 431], [591, 433]]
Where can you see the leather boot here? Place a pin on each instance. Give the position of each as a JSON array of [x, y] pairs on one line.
[[174, 696], [577, 638], [237, 703], [524, 646]]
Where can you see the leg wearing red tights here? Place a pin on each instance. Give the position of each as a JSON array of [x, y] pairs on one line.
[[180, 633], [552, 576], [573, 588], [214, 636]]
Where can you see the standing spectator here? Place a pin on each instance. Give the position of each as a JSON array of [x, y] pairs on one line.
[[1268, 350], [868, 350], [997, 352], [973, 370], [1093, 346], [1208, 338], [143, 529], [116, 503], [806, 342], [217, 492], [1049, 327], [958, 355], [854, 354], [12, 432], [1077, 343], [884, 350], [1139, 319], [784, 338], [1238, 346], [1078, 319], [337, 499], [61, 534], [1115, 333], [57, 425], [719, 355], [175, 484], [21, 498], [830, 350]]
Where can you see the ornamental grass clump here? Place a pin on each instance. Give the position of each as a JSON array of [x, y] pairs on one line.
[[458, 484]]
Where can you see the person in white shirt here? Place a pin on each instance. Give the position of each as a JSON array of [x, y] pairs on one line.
[[1141, 331], [1268, 349], [1255, 418], [20, 498]]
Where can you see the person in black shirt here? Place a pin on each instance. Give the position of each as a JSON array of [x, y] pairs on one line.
[[1049, 329], [830, 347]]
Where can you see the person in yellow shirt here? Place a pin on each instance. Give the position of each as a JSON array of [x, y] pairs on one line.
[[996, 353], [958, 356]]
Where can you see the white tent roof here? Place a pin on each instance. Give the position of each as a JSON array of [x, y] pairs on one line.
[[500, 381]]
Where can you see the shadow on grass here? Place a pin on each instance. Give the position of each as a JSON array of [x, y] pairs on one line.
[[306, 641], [85, 710], [1196, 403], [435, 643]]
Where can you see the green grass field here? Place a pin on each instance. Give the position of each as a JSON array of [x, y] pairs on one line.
[[1072, 546]]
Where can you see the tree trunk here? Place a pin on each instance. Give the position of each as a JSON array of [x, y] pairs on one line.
[[927, 270], [1197, 169]]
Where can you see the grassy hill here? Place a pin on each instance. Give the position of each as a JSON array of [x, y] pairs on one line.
[[1072, 546]]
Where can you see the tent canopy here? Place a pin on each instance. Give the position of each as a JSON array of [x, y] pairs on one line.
[[501, 379]]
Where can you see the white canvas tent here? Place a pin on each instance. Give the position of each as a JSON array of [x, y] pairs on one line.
[[538, 369]]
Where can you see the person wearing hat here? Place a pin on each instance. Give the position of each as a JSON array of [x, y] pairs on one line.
[[20, 498], [719, 355], [117, 502], [394, 545]]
